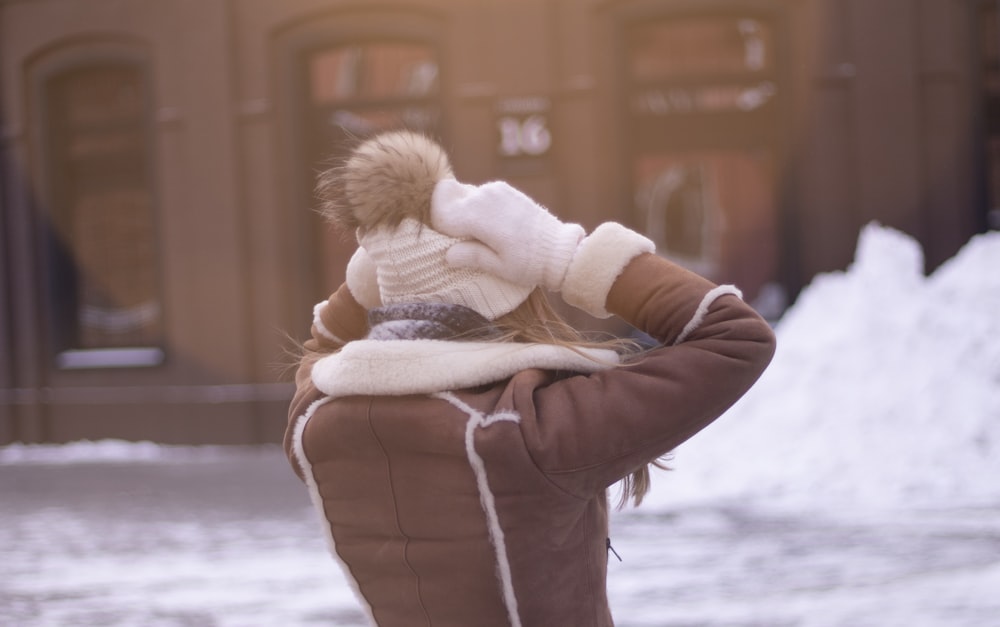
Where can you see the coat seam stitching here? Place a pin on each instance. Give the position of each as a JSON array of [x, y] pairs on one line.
[[486, 499], [395, 512]]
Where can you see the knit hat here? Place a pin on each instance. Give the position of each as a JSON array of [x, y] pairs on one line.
[[411, 268], [385, 192]]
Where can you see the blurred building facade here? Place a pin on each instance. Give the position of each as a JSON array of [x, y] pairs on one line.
[[158, 158]]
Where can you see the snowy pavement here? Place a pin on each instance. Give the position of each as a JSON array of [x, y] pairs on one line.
[[175, 536]]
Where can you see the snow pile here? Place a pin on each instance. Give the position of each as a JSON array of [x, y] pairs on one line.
[[884, 391]]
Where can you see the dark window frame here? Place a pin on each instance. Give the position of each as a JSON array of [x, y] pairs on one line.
[[988, 114], [292, 47], [58, 298]]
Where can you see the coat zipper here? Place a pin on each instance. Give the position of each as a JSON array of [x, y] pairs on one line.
[[611, 549]]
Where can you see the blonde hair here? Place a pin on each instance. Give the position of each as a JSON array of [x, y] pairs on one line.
[[536, 321]]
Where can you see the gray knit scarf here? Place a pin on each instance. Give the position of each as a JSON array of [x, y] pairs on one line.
[[429, 321]]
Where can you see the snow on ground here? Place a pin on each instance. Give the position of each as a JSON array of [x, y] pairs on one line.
[[884, 392], [104, 451]]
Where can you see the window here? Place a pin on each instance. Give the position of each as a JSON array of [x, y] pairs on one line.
[[359, 89], [700, 105], [101, 237], [989, 37], [351, 90], [701, 65]]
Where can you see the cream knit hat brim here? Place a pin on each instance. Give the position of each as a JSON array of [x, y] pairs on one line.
[[412, 268]]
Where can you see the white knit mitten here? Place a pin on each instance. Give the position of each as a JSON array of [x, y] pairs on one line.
[[506, 233]]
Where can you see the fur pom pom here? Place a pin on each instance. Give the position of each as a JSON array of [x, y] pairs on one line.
[[387, 178]]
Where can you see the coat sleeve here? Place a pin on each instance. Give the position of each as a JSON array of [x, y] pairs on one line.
[[336, 321], [587, 432]]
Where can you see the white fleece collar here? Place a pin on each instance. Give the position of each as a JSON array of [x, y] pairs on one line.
[[400, 367]]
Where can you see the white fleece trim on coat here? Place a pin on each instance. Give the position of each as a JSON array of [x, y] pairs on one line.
[[502, 416], [401, 367], [299, 452], [320, 327], [477, 419], [599, 260], [702, 310]]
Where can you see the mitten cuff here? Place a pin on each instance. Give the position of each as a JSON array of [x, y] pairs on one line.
[[362, 280], [599, 259], [557, 246]]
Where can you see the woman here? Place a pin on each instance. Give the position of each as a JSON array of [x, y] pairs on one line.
[[456, 436]]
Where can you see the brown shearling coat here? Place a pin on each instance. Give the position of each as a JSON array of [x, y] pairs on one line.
[[464, 484]]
